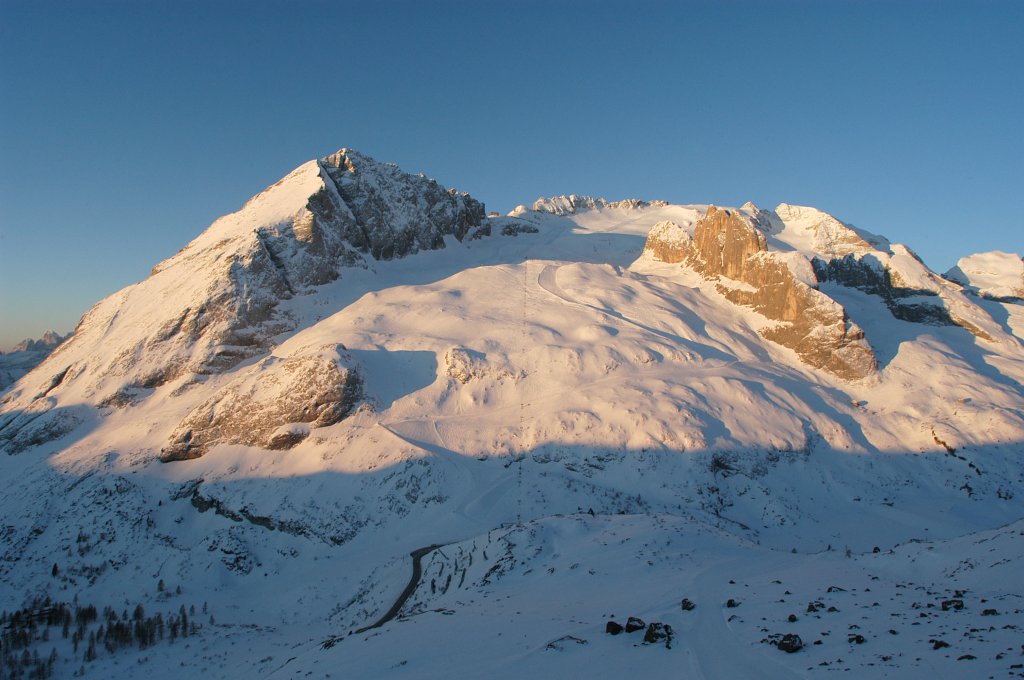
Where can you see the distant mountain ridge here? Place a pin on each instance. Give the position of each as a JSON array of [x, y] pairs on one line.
[[48, 341], [26, 355]]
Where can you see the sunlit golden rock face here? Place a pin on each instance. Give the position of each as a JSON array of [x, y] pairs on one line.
[[727, 247]]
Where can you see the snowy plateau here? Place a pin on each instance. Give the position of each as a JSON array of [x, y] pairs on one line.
[[361, 429]]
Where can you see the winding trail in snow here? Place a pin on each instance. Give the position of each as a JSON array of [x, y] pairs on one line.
[[410, 587]]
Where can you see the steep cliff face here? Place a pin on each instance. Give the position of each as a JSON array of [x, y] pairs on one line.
[[395, 214], [869, 274], [731, 247], [910, 290]]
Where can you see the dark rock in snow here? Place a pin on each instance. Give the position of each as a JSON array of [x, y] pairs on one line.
[[731, 603], [657, 631], [613, 628], [790, 643], [952, 604], [635, 624], [687, 604]]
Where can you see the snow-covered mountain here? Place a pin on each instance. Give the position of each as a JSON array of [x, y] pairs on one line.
[[581, 411]]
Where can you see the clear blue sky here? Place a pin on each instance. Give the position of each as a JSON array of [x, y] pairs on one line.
[[127, 127]]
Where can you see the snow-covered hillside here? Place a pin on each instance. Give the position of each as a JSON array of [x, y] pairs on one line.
[[594, 409]]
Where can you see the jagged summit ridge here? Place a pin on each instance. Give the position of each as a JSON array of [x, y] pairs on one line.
[[568, 205]]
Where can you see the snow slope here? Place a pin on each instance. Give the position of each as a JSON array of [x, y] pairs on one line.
[[994, 274], [514, 376]]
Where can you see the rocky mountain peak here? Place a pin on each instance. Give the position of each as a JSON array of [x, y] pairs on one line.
[[217, 302], [724, 242]]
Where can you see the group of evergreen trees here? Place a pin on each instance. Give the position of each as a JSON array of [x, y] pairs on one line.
[[24, 631]]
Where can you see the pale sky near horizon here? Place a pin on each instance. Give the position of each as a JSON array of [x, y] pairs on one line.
[[127, 127]]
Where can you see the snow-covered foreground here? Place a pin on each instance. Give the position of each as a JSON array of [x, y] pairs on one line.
[[589, 433], [534, 600]]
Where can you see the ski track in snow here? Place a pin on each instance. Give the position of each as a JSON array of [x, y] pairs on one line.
[[548, 280]]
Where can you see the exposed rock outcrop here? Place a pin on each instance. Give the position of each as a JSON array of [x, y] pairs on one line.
[[869, 274], [729, 247], [465, 364], [273, 405]]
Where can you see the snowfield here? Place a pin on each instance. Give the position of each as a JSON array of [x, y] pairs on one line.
[[587, 431]]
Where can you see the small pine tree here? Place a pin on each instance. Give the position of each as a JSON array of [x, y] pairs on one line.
[[55, 571]]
